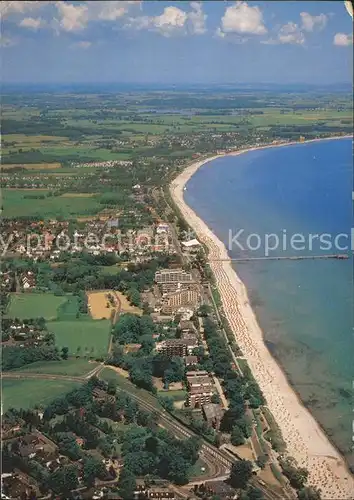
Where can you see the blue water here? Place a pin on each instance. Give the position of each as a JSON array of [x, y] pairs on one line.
[[304, 307]]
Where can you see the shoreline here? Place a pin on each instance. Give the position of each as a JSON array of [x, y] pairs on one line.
[[306, 440]]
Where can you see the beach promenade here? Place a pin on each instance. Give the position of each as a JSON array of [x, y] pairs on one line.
[[305, 439]]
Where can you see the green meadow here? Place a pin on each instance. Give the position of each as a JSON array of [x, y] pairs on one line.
[[22, 393], [36, 203], [70, 367], [83, 337], [35, 305]]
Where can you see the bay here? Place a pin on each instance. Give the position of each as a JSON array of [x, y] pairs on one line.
[[304, 307]]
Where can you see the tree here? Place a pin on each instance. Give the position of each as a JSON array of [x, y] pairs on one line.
[[175, 371], [237, 436], [92, 468], [178, 469], [112, 387], [65, 352], [235, 411], [251, 494], [309, 493], [167, 402], [134, 296], [204, 310], [262, 461], [241, 473], [147, 344], [64, 479], [68, 445], [126, 484], [297, 475]]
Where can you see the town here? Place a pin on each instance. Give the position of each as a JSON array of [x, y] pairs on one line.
[[121, 375]]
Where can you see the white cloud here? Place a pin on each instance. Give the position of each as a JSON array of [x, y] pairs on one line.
[[172, 21], [32, 23], [72, 17], [75, 17], [242, 19], [112, 10], [197, 19], [83, 44], [342, 40], [19, 7], [291, 34], [310, 23]]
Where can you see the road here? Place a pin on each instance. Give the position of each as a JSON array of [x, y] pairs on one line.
[[46, 376], [223, 332]]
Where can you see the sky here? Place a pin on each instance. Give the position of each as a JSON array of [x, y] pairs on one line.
[[209, 42]]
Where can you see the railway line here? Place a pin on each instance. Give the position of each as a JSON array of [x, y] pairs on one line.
[[219, 462]]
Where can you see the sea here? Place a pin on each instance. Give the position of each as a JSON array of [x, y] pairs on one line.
[[273, 202]]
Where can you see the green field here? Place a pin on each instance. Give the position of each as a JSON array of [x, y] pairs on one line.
[[70, 367], [83, 337], [68, 309], [19, 393], [175, 395], [17, 204], [35, 305]]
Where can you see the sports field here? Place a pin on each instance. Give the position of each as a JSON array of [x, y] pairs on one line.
[[21, 393], [35, 305], [83, 337]]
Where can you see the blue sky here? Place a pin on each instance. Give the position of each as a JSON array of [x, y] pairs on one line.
[[176, 42]]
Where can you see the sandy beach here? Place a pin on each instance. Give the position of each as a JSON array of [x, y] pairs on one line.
[[305, 439]]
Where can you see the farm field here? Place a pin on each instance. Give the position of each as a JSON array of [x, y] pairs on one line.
[[19, 203], [71, 367], [21, 393], [83, 337], [100, 128], [98, 302], [35, 305]]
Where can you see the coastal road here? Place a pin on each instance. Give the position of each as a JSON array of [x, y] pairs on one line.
[[223, 332]]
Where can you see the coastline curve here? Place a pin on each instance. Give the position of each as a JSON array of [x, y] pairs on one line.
[[306, 441]]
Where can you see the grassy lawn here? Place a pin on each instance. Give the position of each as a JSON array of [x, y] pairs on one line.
[[28, 393], [82, 337], [72, 367], [197, 469], [175, 395], [18, 203], [34, 305], [68, 309], [110, 270]]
